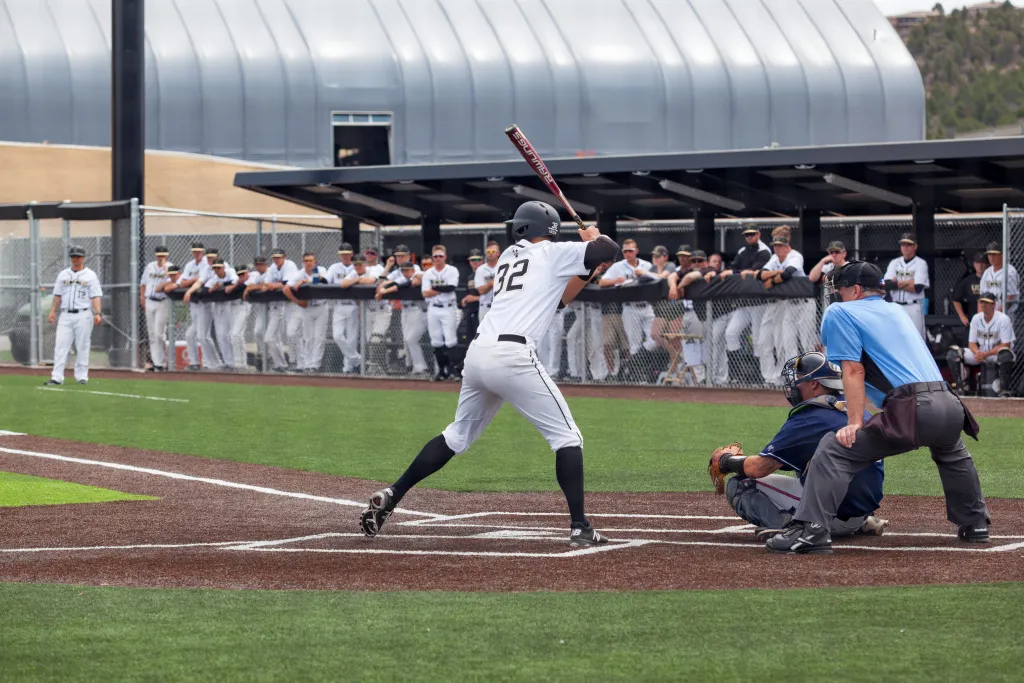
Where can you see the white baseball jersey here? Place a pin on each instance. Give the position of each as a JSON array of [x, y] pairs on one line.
[[399, 279], [623, 269], [448, 275], [317, 277], [228, 279], [154, 277], [255, 278], [376, 270], [794, 258], [338, 272], [197, 271], [275, 275], [988, 335], [916, 270], [530, 281], [76, 289], [483, 275], [992, 282]]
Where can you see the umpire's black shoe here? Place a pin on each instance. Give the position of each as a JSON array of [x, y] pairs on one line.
[[973, 533], [583, 535], [382, 504], [801, 538]]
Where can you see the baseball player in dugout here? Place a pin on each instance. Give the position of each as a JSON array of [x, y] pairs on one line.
[[814, 387], [992, 280], [835, 258], [906, 280], [785, 322], [345, 324], [536, 275], [76, 294], [313, 314], [282, 321], [484, 277], [157, 307], [471, 300], [883, 358], [968, 290], [990, 342], [414, 313], [198, 332], [238, 313], [438, 287]]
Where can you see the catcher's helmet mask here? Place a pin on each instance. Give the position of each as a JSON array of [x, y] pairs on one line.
[[531, 220], [809, 367]]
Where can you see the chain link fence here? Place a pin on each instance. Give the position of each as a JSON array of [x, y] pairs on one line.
[[1013, 251]]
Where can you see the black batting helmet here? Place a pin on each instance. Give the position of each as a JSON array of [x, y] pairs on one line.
[[533, 219], [810, 367]]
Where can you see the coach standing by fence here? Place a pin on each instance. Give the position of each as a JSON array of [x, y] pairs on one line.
[[157, 307], [885, 359], [76, 293]]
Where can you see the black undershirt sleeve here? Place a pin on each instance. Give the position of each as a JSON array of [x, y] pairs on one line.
[[787, 273], [598, 251]]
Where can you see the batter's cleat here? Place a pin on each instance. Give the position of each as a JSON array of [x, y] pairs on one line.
[[762, 533], [52, 382], [581, 536], [873, 526], [381, 506], [801, 538], [973, 533]]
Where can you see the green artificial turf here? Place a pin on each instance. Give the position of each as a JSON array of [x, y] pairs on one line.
[[17, 490], [629, 445], [929, 633]]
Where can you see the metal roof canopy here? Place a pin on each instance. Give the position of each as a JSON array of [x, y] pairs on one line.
[[957, 176]]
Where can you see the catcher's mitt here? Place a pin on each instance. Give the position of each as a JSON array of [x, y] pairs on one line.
[[717, 478]]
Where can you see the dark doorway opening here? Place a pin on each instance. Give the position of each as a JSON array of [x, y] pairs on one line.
[[362, 145]]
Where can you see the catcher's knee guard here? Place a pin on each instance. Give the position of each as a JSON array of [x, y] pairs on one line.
[[752, 505], [955, 362]]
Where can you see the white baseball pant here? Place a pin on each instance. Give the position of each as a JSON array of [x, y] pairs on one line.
[[442, 323], [157, 315], [496, 372], [197, 336], [414, 324], [345, 331], [273, 333], [916, 313], [73, 328], [239, 318], [313, 321], [785, 493], [223, 315], [378, 315], [636, 322]]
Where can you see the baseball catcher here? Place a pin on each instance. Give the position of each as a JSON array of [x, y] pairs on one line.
[[767, 500]]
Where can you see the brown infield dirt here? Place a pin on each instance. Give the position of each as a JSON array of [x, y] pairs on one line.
[[253, 526]]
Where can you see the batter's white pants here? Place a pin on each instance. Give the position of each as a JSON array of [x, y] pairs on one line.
[[345, 331], [73, 328], [223, 313], [916, 313], [157, 315], [239, 317], [313, 319], [588, 318], [785, 493], [442, 323], [414, 324], [636, 322], [198, 336], [496, 372]]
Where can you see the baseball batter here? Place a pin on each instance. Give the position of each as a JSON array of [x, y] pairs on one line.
[[76, 294], [535, 277], [906, 278], [157, 307], [438, 287]]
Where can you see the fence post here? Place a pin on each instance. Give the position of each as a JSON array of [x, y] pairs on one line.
[[133, 286], [856, 241], [35, 315], [1006, 255], [710, 350], [273, 231], [65, 236], [172, 349], [259, 236]]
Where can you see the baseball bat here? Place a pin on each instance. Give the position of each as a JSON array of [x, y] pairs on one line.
[[537, 164]]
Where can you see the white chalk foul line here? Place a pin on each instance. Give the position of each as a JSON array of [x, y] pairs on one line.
[[137, 546], [4, 432], [108, 393], [576, 552], [204, 480]]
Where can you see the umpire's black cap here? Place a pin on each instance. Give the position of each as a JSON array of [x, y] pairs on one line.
[[75, 250], [858, 273]]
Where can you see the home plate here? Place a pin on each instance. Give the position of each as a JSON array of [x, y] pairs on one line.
[[518, 533]]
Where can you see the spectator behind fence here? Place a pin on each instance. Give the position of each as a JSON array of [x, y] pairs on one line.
[[313, 314], [992, 281], [835, 258], [715, 262], [283, 319], [156, 306], [906, 280], [240, 309], [637, 316], [792, 321], [414, 313], [990, 342], [968, 289], [345, 324]]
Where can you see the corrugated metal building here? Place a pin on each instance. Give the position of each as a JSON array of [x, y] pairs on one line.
[[276, 80]]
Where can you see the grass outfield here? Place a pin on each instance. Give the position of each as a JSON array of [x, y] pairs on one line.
[[629, 445], [67, 633], [20, 489]]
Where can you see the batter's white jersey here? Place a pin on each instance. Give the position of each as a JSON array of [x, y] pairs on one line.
[[915, 270], [153, 278], [992, 282], [77, 288], [988, 335], [794, 258], [529, 283], [449, 275], [484, 275], [276, 275]]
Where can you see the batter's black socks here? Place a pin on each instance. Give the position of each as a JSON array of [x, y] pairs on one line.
[[569, 471], [433, 457]]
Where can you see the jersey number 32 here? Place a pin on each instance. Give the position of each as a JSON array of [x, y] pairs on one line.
[[518, 270]]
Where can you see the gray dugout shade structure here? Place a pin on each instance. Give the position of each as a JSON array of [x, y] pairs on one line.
[[919, 177], [259, 79]]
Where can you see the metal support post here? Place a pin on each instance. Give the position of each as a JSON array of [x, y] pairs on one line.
[[65, 236], [704, 224], [35, 315], [259, 236], [172, 349], [273, 231], [856, 241], [1006, 255], [133, 285]]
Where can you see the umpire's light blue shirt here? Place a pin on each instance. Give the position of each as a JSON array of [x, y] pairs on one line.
[[883, 338]]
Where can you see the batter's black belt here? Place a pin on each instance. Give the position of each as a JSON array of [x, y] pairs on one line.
[[514, 338]]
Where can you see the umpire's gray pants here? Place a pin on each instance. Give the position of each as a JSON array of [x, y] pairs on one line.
[[940, 419]]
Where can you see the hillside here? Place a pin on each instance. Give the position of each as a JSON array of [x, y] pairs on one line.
[[971, 66]]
